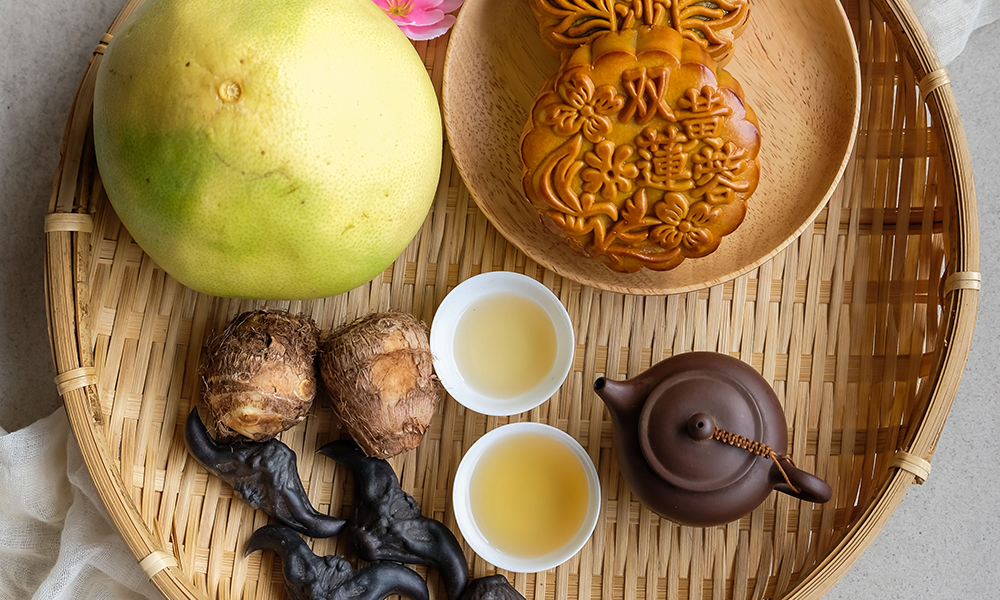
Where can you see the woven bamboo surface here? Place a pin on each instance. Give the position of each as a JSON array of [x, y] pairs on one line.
[[862, 325]]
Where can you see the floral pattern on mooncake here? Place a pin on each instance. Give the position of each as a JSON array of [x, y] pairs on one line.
[[640, 151], [712, 24]]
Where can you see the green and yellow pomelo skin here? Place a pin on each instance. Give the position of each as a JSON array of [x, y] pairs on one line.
[[271, 149]]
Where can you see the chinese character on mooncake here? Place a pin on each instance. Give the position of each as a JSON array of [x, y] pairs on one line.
[[712, 24], [640, 152]]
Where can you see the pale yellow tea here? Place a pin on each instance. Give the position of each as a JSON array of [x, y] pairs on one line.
[[505, 345], [529, 495]]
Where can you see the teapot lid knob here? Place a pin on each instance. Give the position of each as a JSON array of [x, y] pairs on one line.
[[701, 426]]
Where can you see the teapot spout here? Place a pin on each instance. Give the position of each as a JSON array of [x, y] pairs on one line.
[[625, 398], [619, 396]]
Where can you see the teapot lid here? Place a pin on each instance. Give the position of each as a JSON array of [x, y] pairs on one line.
[[702, 393]]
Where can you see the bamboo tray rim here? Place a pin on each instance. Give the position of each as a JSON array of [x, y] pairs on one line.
[[69, 322]]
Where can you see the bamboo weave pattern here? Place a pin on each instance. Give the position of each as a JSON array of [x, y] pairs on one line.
[[845, 324]]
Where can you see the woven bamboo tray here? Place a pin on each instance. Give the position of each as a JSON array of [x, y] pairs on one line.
[[863, 326]]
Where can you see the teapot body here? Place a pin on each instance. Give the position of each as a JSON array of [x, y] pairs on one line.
[[665, 423]]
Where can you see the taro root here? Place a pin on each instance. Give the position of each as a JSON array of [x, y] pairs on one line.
[[260, 374], [379, 375], [308, 576], [494, 587], [386, 523], [265, 475]]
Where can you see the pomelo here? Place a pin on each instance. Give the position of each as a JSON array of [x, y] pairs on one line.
[[273, 149]]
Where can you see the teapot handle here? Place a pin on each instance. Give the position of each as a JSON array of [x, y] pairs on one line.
[[809, 487]]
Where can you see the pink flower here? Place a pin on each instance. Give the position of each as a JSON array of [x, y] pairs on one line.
[[421, 19]]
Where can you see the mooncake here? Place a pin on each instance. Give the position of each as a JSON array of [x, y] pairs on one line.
[[640, 152], [712, 24]]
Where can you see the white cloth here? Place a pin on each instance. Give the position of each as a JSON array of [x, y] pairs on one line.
[[56, 539], [949, 23]]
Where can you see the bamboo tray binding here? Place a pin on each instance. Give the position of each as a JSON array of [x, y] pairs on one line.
[[863, 326]]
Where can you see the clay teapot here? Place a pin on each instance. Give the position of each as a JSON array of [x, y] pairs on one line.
[[701, 439]]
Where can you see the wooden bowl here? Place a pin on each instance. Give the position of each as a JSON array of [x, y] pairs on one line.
[[797, 63]]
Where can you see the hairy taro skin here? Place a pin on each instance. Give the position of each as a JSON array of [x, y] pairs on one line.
[[259, 374], [386, 523], [264, 475], [311, 577], [379, 375]]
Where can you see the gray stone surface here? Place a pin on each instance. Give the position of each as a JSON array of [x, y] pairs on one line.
[[942, 542]]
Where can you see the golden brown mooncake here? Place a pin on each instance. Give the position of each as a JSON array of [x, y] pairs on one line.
[[712, 24], [640, 152]]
